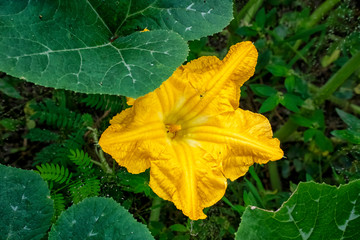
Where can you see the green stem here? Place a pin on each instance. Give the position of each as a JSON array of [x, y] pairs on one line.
[[317, 15], [286, 130], [343, 104], [320, 12], [250, 12], [244, 17], [103, 163], [155, 210], [338, 79], [243, 12], [274, 176]]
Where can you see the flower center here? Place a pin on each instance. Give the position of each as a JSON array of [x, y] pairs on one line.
[[172, 129]]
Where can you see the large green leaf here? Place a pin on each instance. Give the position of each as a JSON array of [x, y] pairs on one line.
[[26, 208], [191, 19], [98, 218], [91, 46], [314, 211], [350, 120]]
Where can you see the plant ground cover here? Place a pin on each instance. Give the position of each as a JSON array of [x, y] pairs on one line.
[[307, 83]]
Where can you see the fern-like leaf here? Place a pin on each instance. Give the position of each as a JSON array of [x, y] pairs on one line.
[[60, 117], [41, 135], [55, 153], [82, 160], [105, 102], [59, 204], [75, 140], [84, 188], [54, 172]]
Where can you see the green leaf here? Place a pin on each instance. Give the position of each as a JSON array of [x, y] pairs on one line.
[[66, 45], [318, 118], [314, 211], [98, 218], [302, 121], [263, 90], [8, 89], [347, 135], [26, 208], [9, 123], [309, 134], [281, 31], [291, 102], [178, 228], [269, 104], [96, 47], [260, 18], [277, 70], [246, 31], [191, 19], [305, 33], [350, 120], [323, 142], [41, 135], [315, 120], [136, 183], [290, 83]]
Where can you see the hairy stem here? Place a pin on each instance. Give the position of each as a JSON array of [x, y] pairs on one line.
[[103, 163]]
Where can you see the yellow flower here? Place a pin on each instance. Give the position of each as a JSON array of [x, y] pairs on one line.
[[191, 133]]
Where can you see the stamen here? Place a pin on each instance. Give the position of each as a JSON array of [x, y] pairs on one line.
[[173, 128]]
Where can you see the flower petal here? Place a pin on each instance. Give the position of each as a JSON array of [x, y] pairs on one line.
[[238, 139], [136, 135], [188, 179], [216, 83]]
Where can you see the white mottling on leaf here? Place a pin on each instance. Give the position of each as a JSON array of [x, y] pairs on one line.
[[14, 208], [188, 29], [91, 234], [305, 235], [253, 207], [353, 215], [189, 8], [290, 210]]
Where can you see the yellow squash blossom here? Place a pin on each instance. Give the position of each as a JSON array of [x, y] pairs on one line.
[[191, 133]]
